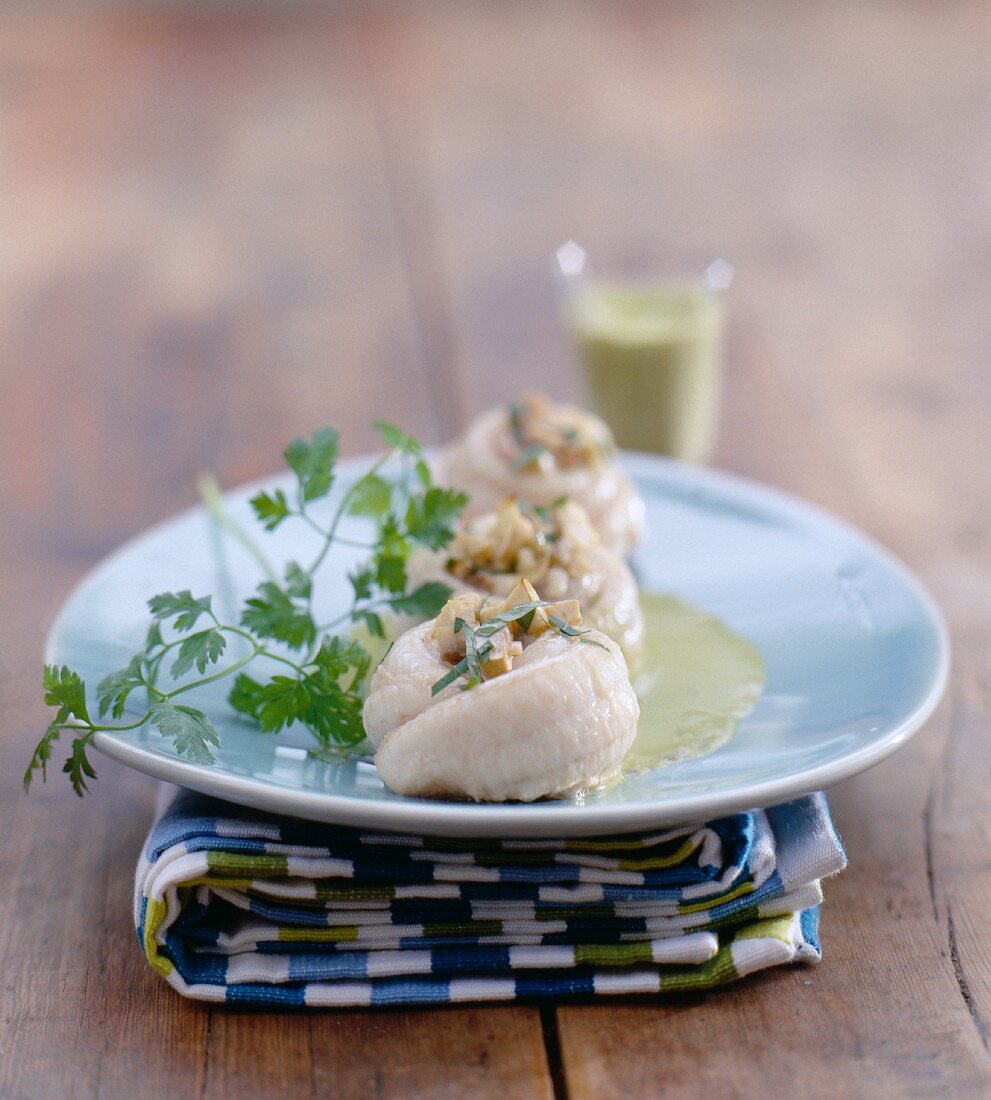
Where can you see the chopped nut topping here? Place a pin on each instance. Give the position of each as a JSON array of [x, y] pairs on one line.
[[567, 611], [482, 639], [545, 545], [464, 607], [524, 592], [500, 657], [549, 436]]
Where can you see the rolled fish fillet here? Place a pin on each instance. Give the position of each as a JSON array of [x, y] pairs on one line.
[[560, 718], [538, 451], [555, 548]]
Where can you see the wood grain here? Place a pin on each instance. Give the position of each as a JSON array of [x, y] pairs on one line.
[[220, 230]]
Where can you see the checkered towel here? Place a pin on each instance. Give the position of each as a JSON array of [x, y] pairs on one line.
[[236, 905]]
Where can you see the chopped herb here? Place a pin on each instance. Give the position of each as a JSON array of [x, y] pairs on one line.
[[543, 512], [472, 656], [271, 508], [313, 463], [426, 600], [562, 627], [529, 456], [396, 439], [446, 680], [523, 614], [516, 416], [206, 647]]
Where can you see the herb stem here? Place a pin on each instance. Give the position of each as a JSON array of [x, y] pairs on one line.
[[341, 508], [350, 614], [219, 675], [339, 538], [213, 500]]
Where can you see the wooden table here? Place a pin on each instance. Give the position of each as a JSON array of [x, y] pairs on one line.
[[218, 231]]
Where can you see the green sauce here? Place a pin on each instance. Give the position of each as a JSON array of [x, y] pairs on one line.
[[652, 363], [696, 681]]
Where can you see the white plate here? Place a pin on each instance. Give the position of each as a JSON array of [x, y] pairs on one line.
[[855, 650]]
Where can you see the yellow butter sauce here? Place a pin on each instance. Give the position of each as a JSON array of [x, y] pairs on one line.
[[696, 681]]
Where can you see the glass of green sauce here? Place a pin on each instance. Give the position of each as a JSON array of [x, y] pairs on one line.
[[652, 355]]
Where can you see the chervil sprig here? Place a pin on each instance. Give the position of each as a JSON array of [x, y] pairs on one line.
[[321, 673]]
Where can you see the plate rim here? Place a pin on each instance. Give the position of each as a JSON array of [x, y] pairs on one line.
[[540, 819]]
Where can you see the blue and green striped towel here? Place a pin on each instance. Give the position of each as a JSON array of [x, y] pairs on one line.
[[235, 905]]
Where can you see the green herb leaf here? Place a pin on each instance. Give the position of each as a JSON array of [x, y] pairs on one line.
[[562, 627], [430, 518], [113, 690], [245, 695], [396, 437], [426, 600], [271, 508], [472, 655], [77, 766], [201, 649], [334, 715], [371, 496], [183, 605], [591, 641], [64, 688], [273, 614], [373, 623], [522, 613], [362, 582], [313, 462], [282, 701], [338, 658], [43, 750], [390, 572], [389, 560], [298, 581], [323, 700], [448, 678], [189, 730]]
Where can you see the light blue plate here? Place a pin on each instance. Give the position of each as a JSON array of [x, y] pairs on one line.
[[856, 655]]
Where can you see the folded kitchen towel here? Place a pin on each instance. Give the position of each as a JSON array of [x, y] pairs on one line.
[[237, 905]]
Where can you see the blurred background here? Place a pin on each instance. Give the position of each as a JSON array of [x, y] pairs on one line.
[[223, 224]]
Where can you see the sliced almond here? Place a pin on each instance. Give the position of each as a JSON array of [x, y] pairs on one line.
[[500, 657], [568, 611], [524, 592], [465, 607]]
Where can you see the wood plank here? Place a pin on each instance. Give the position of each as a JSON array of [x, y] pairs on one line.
[[200, 261], [816, 148], [441, 1052]]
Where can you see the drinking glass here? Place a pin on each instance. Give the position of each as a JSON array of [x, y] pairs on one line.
[[651, 353]]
